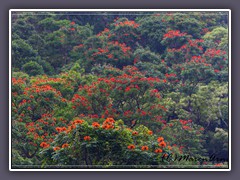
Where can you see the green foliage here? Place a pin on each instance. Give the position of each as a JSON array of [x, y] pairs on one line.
[[22, 53], [217, 38], [50, 24], [20, 75], [23, 28], [32, 68], [219, 143]]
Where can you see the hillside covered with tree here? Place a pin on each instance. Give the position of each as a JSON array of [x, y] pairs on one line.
[[120, 89]]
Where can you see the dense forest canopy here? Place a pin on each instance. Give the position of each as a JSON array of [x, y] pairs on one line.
[[120, 89]]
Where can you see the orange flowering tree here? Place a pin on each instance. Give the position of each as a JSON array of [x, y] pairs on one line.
[[33, 106], [129, 96], [35, 101], [109, 143], [113, 45], [124, 31]]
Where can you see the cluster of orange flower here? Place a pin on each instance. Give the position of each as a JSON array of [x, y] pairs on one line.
[[42, 88], [198, 59], [87, 138], [56, 148], [158, 151], [79, 100], [134, 133], [70, 127], [150, 132], [128, 23], [144, 148], [44, 145], [214, 52], [124, 48], [161, 141], [108, 123], [60, 129], [45, 79], [105, 31], [131, 146], [218, 165], [63, 146], [95, 124], [18, 81], [101, 51], [173, 33], [78, 121]]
